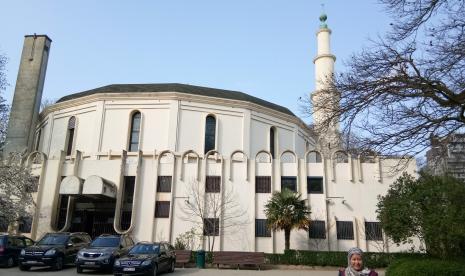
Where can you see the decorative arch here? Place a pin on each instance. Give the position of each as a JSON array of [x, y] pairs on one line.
[[270, 157], [246, 164], [318, 156], [186, 153], [335, 157], [36, 157], [340, 155], [135, 127], [288, 152]]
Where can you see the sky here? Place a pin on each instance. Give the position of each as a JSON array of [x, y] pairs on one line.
[[264, 48]]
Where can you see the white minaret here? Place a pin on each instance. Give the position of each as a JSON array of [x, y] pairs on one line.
[[324, 100]]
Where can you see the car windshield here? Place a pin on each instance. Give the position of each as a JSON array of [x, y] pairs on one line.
[[53, 240], [145, 249], [106, 242]]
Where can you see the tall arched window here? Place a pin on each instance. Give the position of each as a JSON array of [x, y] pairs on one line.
[[135, 131], [70, 135], [272, 141], [210, 133]]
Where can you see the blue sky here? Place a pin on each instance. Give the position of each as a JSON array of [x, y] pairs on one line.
[[261, 47]]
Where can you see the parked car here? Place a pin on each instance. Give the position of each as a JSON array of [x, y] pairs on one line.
[[54, 250], [148, 258], [10, 248], [102, 252]]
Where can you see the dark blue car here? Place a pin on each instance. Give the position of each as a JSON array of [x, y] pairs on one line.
[[10, 248], [146, 258]]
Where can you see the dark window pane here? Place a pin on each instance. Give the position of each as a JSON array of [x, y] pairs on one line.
[[345, 230], [317, 230], [263, 184], [314, 185], [272, 138], [135, 130], [211, 227], [129, 182], [210, 133], [289, 182], [212, 184], [373, 231], [162, 209], [25, 224], [69, 143], [36, 147], [261, 229], [164, 184]]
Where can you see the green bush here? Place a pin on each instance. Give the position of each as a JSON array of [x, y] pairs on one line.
[[426, 267], [322, 258]]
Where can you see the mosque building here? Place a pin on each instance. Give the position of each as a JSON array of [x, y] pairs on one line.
[[157, 160]]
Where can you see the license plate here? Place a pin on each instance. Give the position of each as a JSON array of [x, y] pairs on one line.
[[32, 262], [129, 269], [89, 263]]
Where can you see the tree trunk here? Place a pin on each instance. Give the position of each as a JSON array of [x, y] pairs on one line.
[[287, 238]]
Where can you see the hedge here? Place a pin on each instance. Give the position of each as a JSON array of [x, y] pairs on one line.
[[325, 258], [426, 267]]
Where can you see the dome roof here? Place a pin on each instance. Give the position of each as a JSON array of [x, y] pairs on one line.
[[180, 88]]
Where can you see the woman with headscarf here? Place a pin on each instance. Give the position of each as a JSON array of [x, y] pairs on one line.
[[355, 265]]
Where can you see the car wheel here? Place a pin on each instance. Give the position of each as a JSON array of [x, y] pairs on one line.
[[24, 267], [173, 263], [59, 263], [10, 262], [155, 270], [78, 269]]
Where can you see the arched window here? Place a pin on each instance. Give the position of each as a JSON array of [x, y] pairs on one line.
[[210, 133], [70, 135], [135, 131], [272, 141]]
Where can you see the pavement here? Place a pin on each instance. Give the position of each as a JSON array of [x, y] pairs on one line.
[[280, 271]]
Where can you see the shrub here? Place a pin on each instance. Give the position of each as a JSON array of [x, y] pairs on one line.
[[426, 266]]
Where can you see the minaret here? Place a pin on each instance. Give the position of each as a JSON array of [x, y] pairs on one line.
[[323, 98], [28, 94]]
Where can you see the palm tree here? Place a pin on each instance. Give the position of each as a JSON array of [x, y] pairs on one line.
[[286, 211]]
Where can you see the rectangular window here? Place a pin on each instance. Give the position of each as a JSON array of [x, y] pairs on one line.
[[162, 209], [289, 182], [164, 184], [261, 229], [129, 182], [317, 230], [69, 146], [373, 231], [212, 184], [25, 224], [314, 185], [345, 230], [211, 227], [263, 184]]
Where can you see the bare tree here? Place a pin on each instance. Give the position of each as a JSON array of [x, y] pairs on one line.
[[16, 187], [4, 108], [46, 102], [213, 213], [410, 84]]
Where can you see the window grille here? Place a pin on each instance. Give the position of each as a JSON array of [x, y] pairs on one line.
[[289, 182], [345, 230], [212, 184], [135, 132], [263, 184], [373, 231], [261, 228], [314, 185], [164, 184], [317, 229], [210, 133], [211, 226], [162, 209]]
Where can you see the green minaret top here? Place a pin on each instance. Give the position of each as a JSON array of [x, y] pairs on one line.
[[323, 18]]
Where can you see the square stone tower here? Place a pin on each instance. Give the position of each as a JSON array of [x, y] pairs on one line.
[[28, 94]]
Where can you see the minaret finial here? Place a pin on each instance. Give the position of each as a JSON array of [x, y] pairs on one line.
[[323, 17]]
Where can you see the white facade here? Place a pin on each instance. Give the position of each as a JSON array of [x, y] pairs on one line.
[[173, 124]]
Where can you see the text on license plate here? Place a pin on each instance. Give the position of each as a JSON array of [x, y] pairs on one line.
[[129, 269], [89, 263], [32, 262]]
